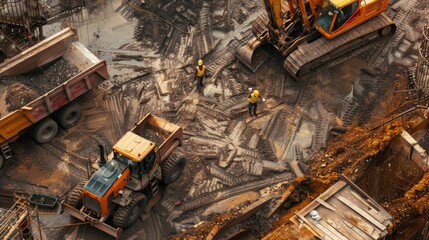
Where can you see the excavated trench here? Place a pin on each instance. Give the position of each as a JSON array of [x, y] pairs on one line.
[[392, 172], [230, 157]]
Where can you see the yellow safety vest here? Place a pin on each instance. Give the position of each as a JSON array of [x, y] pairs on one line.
[[252, 98], [200, 72]]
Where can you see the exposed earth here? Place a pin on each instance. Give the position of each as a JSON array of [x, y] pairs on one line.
[[336, 120]]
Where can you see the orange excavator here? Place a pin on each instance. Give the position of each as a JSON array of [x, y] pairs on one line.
[[309, 33]]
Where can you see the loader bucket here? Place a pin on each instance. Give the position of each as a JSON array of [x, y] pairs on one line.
[[251, 55]]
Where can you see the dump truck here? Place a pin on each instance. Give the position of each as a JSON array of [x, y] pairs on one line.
[[309, 33], [128, 184], [41, 116]]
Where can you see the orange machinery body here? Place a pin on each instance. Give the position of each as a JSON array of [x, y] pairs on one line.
[[338, 16], [352, 13], [118, 185]]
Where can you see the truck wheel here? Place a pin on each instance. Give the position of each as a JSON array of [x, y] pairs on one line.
[[44, 130], [74, 198], [127, 215], [68, 115], [172, 168]]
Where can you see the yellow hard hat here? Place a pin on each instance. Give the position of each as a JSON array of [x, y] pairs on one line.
[[256, 93], [200, 62]]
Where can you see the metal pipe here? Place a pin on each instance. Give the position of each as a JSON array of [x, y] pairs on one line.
[[102, 159]]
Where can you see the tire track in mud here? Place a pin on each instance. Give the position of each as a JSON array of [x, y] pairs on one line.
[[353, 105], [205, 40], [216, 196], [54, 158], [154, 227]]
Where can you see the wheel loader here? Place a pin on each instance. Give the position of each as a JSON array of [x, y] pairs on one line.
[[128, 184], [309, 33]]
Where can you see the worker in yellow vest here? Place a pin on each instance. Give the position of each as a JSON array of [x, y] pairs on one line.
[[200, 73], [253, 98]]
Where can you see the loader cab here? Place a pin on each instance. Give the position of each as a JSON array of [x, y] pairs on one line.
[[335, 18], [140, 156], [140, 169]]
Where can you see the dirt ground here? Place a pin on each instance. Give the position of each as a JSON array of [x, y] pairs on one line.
[[307, 134]]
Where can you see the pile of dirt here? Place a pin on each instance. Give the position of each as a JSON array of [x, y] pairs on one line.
[[18, 95]]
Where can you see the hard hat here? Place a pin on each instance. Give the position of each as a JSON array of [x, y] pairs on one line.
[[200, 62], [256, 93]]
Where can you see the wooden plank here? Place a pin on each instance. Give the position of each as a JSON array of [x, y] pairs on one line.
[[363, 228], [298, 221], [326, 195], [361, 233], [361, 212], [362, 193], [373, 212], [309, 226], [328, 234], [325, 204], [338, 234], [340, 223], [344, 229], [348, 231]]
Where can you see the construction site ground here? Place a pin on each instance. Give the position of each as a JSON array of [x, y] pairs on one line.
[[328, 123]]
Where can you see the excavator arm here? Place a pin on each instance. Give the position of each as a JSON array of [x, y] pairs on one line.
[[274, 11]]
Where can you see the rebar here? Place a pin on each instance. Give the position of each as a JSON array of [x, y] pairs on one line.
[[422, 66]]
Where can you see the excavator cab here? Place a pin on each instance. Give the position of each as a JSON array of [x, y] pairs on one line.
[[338, 16], [302, 22]]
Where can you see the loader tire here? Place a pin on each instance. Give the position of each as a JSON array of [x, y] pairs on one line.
[[74, 198], [125, 216], [44, 130], [1, 161], [68, 115], [172, 168]]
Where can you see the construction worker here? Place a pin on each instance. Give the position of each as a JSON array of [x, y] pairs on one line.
[[200, 73], [253, 98]]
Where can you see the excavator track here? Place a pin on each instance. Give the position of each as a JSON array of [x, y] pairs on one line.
[[308, 56]]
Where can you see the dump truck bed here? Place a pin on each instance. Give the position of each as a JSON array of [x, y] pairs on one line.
[[40, 54], [52, 90], [166, 135]]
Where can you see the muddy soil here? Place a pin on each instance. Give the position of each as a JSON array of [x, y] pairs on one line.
[[325, 125]]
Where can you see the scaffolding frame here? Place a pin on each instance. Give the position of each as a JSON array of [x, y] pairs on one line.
[[16, 222]]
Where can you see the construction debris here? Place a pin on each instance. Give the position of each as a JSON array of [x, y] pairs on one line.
[[244, 176]]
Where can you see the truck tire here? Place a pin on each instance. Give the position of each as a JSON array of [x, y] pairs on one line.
[[68, 115], [127, 215], [1, 161], [172, 168], [44, 130], [74, 198]]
